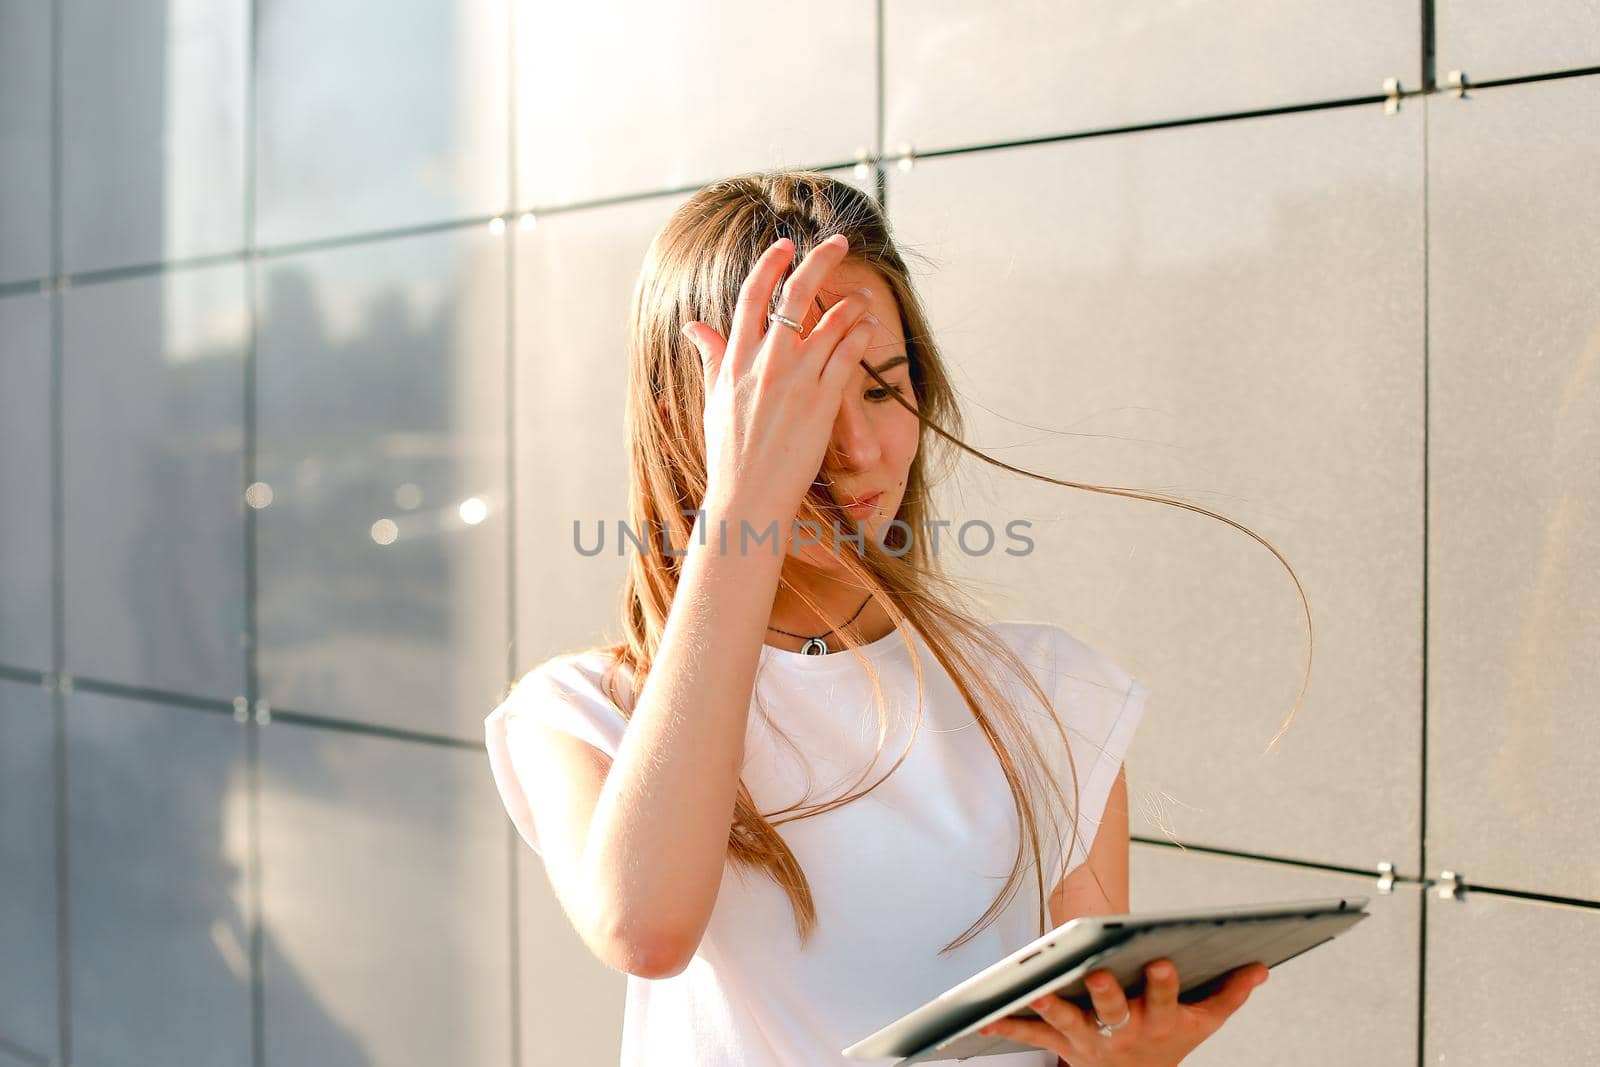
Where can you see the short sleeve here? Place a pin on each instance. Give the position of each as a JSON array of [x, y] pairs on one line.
[[1100, 706], [567, 693]]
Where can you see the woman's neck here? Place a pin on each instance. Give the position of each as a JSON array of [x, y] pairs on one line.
[[837, 604]]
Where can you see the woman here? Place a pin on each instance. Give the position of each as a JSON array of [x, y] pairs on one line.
[[652, 775]]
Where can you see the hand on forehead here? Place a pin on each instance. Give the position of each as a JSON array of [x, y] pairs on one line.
[[843, 280]]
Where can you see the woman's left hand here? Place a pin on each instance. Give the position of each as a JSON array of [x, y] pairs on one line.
[[1159, 1031]]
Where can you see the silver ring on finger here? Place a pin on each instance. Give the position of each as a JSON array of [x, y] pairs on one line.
[[793, 325], [1107, 1031]]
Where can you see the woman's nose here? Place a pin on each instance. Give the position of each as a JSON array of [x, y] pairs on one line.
[[853, 445]]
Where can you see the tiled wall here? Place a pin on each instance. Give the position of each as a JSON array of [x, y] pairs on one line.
[[311, 327]]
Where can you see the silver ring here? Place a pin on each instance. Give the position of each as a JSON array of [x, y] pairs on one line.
[[1107, 1031], [793, 325]]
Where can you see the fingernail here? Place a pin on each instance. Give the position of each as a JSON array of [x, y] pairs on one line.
[[687, 336], [864, 291]]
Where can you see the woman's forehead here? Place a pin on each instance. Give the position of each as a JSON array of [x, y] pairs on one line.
[[845, 279]]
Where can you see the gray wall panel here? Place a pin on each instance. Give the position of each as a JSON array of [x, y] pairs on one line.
[[961, 72], [1514, 500], [8, 1060], [385, 888], [372, 117], [25, 193], [153, 372], [1510, 977], [1514, 485], [1507, 38], [27, 607], [153, 130], [382, 554], [29, 977], [616, 98], [1349, 1001], [1231, 314], [157, 859]]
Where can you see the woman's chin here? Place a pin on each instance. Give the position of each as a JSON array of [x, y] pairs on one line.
[[824, 557]]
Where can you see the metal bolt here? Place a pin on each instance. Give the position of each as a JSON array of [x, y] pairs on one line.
[[1391, 92], [1385, 877]]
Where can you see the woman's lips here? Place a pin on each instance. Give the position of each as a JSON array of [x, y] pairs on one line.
[[865, 506]]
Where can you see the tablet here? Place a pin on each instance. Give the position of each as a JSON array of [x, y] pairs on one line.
[[1204, 945]]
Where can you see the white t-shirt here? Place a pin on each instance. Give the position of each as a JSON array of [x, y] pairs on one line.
[[895, 875]]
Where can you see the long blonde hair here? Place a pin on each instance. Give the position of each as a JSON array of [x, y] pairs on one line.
[[692, 272]]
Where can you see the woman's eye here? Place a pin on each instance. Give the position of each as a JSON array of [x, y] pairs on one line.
[[871, 393]]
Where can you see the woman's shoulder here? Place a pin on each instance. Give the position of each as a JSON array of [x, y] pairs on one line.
[[581, 676], [569, 692], [1061, 658]]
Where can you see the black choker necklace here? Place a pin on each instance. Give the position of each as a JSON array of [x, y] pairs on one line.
[[816, 646]]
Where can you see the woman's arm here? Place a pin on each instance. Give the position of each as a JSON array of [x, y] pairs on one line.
[[657, 842], [1079, 893]]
